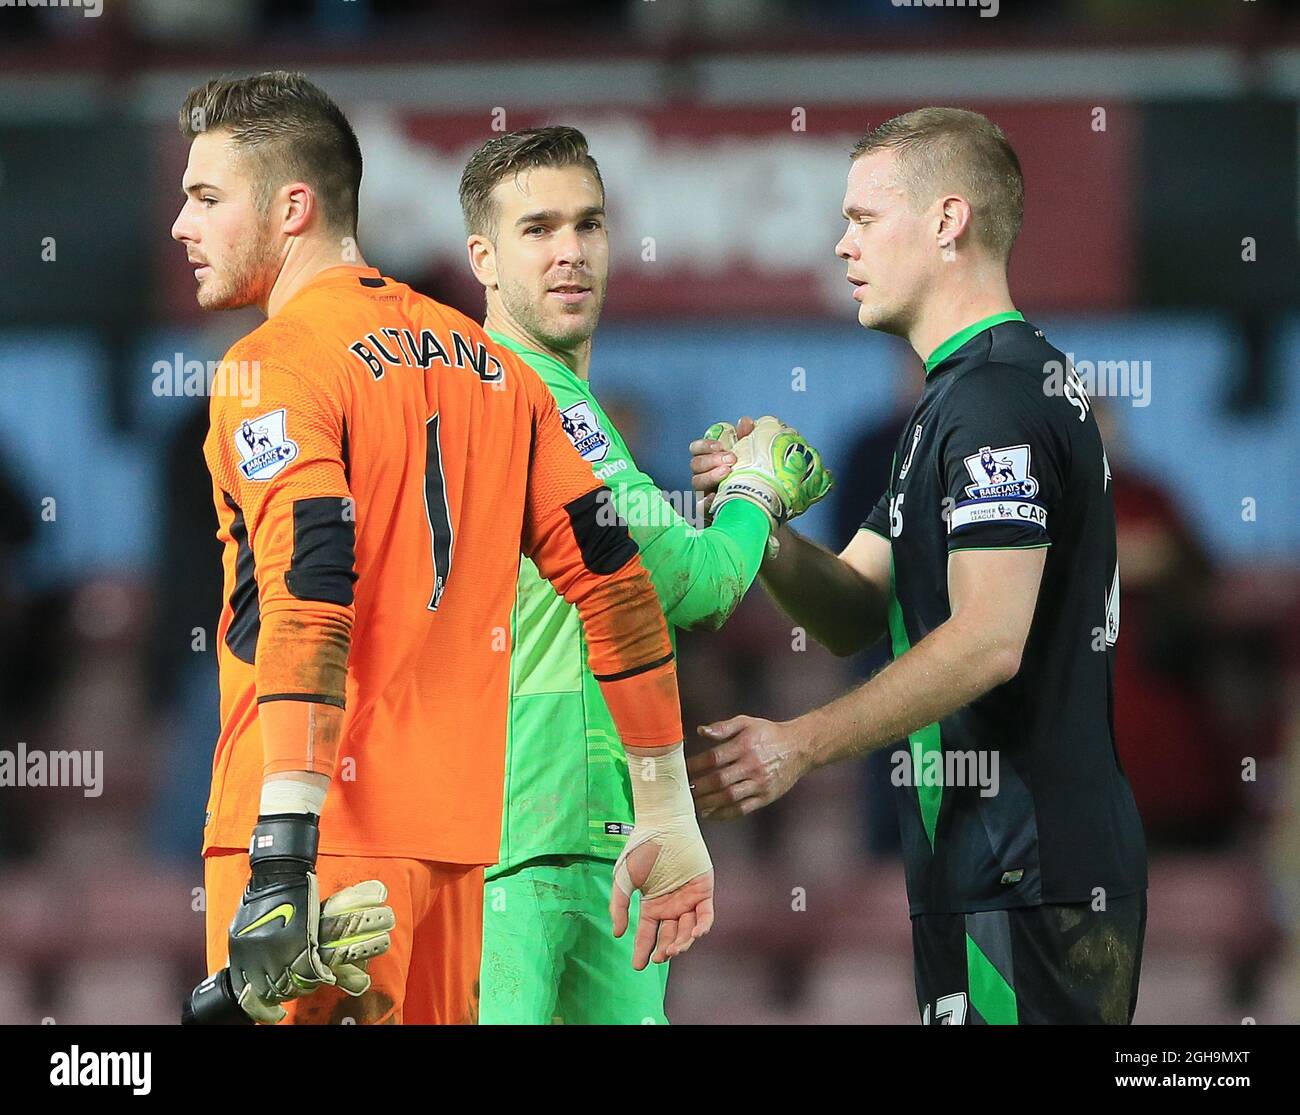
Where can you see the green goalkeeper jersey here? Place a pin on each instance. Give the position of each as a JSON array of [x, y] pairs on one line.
[[567, 790]]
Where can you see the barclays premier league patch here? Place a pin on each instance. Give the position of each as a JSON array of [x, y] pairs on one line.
[[580, 423], [1001, 473], [264, 446]]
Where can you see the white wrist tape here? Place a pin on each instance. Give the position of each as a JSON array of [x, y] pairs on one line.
[[665, 816], [757, 491], [286, 795]]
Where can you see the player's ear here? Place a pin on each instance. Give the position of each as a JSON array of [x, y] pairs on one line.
[[954, 219], [296, 202], [482, 259]]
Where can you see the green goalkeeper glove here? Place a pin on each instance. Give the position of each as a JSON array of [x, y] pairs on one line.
[[776, 469]]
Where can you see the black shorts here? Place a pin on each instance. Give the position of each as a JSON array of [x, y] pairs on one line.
[[1035, 964]]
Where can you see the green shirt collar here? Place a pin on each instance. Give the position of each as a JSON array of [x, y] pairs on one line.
[[953, 343], [532, 356]]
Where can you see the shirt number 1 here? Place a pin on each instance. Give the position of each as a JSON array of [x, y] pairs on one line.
[[436, 509]]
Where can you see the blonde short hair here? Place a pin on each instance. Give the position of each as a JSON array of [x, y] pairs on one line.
[[942, 149]]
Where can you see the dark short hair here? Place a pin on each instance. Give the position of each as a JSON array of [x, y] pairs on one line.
[[511, 154], [943, 149], [293, 130]]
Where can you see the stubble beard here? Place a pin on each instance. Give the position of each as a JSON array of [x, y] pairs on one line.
[[248, 276], [560, 332]]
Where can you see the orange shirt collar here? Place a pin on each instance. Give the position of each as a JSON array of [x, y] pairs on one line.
[[344, 271]]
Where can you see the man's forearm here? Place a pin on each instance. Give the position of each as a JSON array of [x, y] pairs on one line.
[[824, 595], [948, 669], [299, 736], [701, 575]]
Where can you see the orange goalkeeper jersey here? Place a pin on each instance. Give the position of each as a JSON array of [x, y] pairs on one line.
[[373, 495]]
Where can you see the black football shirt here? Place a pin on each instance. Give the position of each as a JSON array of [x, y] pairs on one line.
[[1018, 799]]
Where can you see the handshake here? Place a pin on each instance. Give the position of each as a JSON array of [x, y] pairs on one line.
[[767, 463]]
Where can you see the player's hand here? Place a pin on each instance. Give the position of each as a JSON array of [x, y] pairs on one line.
[[355, 927], [777, 470], [712, 457], [754, 763], [668, 924], [274, 942], [664, 858]]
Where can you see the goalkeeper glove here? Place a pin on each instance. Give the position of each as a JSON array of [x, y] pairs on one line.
[[776, 469], [275, 936], [355, 927]]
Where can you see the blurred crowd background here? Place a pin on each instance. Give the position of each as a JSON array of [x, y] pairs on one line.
[[1159, 142]]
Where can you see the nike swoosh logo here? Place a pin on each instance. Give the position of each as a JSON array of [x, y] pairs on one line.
[[284, 910]]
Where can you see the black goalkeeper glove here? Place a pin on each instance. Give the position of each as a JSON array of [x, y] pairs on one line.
[[355, 927], [275, 937]]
